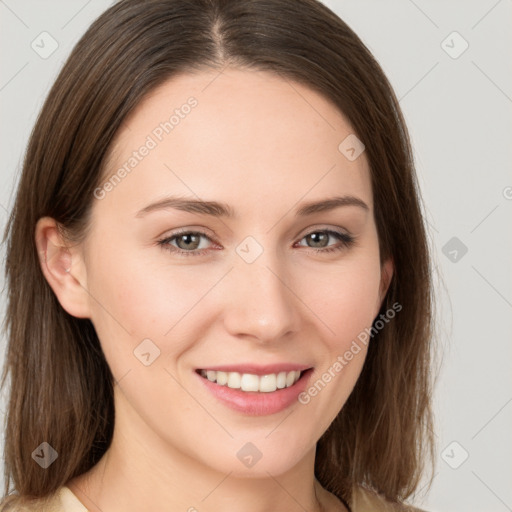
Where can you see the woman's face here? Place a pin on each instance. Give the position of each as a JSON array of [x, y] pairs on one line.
[[266, 290]]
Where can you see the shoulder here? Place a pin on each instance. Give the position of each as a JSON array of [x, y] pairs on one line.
[[366, 500], [62, 500]]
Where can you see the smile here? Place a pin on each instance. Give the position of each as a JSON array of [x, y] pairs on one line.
[[249, 382]]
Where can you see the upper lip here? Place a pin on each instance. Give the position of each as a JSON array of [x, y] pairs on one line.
[[255, 369]]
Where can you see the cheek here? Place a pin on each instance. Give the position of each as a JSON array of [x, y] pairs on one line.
[[345, 300], [133, 301]]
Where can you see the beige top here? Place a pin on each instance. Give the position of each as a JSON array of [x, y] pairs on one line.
[[362, 501]]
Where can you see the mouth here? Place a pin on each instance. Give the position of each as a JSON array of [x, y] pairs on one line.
[[254, 382]]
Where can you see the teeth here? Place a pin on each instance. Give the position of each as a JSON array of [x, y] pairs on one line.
[[222, 378], [290, 379], [268, 383], [281, 380], [234, 380], [250, 382]]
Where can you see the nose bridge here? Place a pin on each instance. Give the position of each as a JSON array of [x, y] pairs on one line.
[[262, 304]]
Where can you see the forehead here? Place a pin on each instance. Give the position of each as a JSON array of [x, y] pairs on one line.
[[246, 138]]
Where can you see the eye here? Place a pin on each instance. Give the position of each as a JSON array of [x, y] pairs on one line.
[[188, 243], [346, 240]]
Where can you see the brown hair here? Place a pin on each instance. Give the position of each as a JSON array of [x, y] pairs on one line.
[[61, 385]]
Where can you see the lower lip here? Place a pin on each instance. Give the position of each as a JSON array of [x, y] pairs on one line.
[[255, 403]]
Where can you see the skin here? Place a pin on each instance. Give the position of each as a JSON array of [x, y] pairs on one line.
[[264, 146]]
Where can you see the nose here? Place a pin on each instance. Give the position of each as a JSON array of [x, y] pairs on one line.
[[261, 301]]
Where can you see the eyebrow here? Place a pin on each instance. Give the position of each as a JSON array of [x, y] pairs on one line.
[[218, 209]]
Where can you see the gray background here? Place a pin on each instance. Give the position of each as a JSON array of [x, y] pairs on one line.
[[457, 106]]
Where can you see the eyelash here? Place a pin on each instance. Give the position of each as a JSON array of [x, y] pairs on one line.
[[346, 242]]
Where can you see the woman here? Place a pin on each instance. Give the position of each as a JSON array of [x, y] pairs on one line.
[[219, 295]]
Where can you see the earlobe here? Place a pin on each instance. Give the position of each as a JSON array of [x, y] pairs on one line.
[[62, 267], [387, 271]]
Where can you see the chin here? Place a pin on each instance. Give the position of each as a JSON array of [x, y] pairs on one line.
[[260, 457]]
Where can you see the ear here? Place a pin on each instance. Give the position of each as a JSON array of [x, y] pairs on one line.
[[63, 267], [386, 273]]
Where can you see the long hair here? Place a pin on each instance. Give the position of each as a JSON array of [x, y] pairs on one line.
[[61, 386]]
